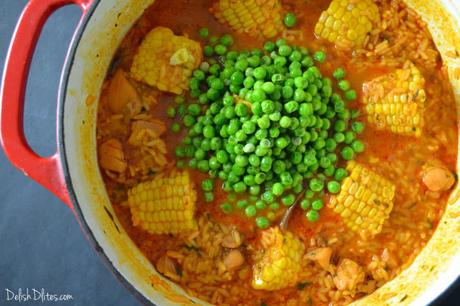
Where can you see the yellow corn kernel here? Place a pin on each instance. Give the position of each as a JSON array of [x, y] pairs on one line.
[[395, 102], [166, 61], [365, 208], [279, 262], [253, 17], [165, 205], [347, 23]]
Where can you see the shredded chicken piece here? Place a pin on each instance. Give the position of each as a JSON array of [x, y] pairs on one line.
[[233, 260], [111, 156], [438, 178], [167, 266], [349, 275], [156, 126], [232, 240], [120, 92], [321, 255]]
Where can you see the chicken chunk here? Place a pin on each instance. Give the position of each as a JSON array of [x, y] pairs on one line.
[[438, 178], [121, 92], [233, 260], [349, 275], [112, 157], [321, 255], [168, 267]]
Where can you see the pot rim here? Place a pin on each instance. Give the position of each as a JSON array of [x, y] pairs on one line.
[[63, 86]]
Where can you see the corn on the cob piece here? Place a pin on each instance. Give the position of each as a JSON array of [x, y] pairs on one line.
[[347, 23], [396, 101], [166, 61], [365, 200], [164, 205], [279, 262], [253, 17]]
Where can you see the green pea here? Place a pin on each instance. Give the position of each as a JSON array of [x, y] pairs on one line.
[[344, 85], [179, 99], [199, 154], [357, 127], [254, 190], [290, 20], [204, 32], [349, 137], [262, 222], [254, 61], [280, 42], [208, 197], [220, 49], [317, 204], [284, 50], [260, 205], [347, 153], [231, 197], [339, 137], [188, 120], [241, 204], [269, 46], [207, 185], [212, 94], [226, 40], [298, 187], [351, 95], [241, 161], [333, 187], [227, 208], [208, 131], [324, 162], [357, 146], [222, 156], [305, 204], [240, 187], [291, 106], [316, 185], [288, 200], [266, 163], [260, 73], [287, 92], [180, 164], [320, 56], [312, 215], [237, 78], [258, 95], [208, 51], [340, 125], [340, 174], [286, 178], [259, 178], [263, 122], [277, 189], [339, 73], [175, 127], [203, 165], [250, 211], [268, 87]]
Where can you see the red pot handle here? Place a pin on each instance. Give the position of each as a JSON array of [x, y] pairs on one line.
[[45, 170]]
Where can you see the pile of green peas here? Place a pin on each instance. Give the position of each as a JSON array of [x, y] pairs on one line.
[[268, 124]]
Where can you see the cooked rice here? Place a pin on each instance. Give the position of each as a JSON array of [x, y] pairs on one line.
[[402, 35]]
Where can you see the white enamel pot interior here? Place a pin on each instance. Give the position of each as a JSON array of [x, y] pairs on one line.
[[434, 270]]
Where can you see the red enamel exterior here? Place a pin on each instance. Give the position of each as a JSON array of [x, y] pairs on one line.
[[47, 171]]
